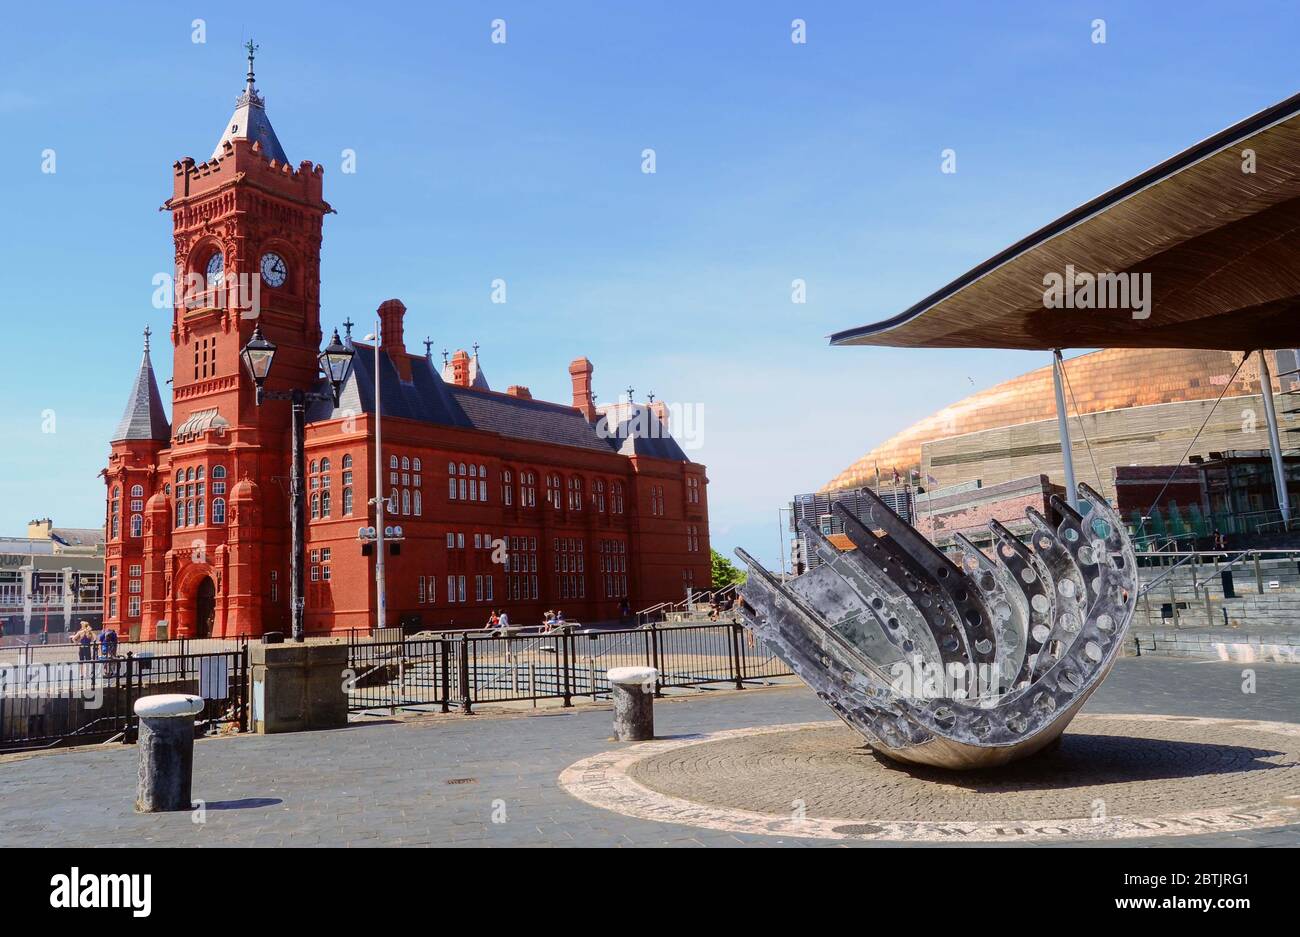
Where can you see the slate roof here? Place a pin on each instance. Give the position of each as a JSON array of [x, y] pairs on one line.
[[249, 122], [144, 417], [78, 536], [429, 399]]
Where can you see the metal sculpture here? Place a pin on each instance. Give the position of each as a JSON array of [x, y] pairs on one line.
[[964, 664]]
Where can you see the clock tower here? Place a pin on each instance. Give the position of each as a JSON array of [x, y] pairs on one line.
[[246, 226]]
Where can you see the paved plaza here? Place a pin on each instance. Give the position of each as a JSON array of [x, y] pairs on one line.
[[493, 779]]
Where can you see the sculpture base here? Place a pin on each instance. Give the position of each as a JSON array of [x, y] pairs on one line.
[[1111, 777]]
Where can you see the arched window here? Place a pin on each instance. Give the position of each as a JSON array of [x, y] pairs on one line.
[[473, 471], [347, 461], [419, 504], [325, 504], [189, 474], [324, 465], [137, 525], [201, 512], [200, 473], [219, 511], [415, 466], [451, 468], [347, 502], [392, 462], [507, 489], [315, 507], [406, 464], [553, 491], [189, 514], [180, 513], [406, 502], [598, 494], [137, 491], [218, 471], [616, 496], [462, 468], [180, 476], [312, 469]]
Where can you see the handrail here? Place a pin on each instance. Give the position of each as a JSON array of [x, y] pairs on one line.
[[1169, 572]]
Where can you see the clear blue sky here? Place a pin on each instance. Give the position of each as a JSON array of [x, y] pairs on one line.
[[522, 161]]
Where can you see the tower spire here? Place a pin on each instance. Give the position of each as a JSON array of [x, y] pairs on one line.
[[249, 122], [252, 50]]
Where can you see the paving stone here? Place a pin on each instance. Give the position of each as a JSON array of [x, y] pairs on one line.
[[384, 783]]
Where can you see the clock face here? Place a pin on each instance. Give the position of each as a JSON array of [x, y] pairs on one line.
[[274, 271], [215, 265]]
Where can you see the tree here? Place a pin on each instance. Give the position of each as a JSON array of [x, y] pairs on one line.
[[724, 573]]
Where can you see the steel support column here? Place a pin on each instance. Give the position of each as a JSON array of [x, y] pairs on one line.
[[1274, 438], [1063, 424]]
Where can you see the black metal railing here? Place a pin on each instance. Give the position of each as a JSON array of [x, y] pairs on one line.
[[459, 669], [46, 702]]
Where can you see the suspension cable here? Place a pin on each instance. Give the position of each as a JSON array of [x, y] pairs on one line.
[[1079, 416], [1204, 423]]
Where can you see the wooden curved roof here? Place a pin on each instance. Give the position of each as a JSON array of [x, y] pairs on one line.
[[1222, 246]]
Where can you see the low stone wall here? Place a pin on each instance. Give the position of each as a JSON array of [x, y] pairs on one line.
[[1206, 644]]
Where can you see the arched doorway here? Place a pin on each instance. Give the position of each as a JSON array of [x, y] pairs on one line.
[[205, 608]]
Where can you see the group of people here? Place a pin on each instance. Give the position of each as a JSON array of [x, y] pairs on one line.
[[85, 639], [498, 623]]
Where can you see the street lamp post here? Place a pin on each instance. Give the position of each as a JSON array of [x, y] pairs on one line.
[[381, 589], [335, 362]]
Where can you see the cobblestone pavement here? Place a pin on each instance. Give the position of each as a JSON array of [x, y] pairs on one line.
[[444, 780]]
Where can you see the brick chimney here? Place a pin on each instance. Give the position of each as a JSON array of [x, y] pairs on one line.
[[580, 373], [517, 390], [391, 321]]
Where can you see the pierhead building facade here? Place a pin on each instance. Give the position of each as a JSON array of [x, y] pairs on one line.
[[506, 501]]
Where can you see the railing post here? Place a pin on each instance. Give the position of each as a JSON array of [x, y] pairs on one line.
[[130, 708], [565, 641], [659, 674], [735, 656], [444, 667], [1259, 576], [465, 706], [243, 687]]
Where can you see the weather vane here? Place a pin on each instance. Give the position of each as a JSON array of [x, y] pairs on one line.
[[347, 326], [147, 332], [428, 348]]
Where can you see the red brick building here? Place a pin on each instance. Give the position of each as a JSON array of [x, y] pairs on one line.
[[589, 505]]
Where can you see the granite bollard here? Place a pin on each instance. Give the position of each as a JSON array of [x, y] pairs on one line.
[[166, 751], [633, 690]]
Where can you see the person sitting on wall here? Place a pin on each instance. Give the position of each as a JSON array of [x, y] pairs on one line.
[[108, 642]]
